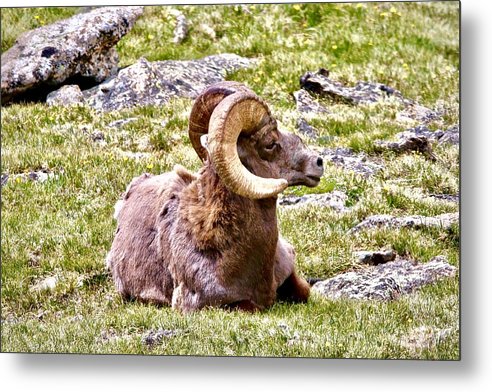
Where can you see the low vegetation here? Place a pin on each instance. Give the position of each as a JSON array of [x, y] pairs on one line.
[[62, 228]]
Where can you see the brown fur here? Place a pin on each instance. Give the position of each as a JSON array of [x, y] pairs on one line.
[[186, 240]]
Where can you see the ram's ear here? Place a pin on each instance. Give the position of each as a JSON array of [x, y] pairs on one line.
[[204, 143]]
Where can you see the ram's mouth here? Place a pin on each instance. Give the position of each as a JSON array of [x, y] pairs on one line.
[[314, 178], [309, 181], [312, 181]]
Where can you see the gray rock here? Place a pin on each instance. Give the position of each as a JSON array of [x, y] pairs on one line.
[[424, 337], [346, 158], [4, 179], [386, 281], [376, 258], [319, 83], [424, 131], [48, 283], [155, 83], [446, 197], [419, 139], [181, 29], [305, 103], [407, 141], [444, 221], [451, 135], [335, 200], [66, 96], [154, 337], [82, 46], [306, 129], [415, 112], [122, 122]]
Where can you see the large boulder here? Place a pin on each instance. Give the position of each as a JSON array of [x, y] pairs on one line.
[[80, 48], [156, 82]]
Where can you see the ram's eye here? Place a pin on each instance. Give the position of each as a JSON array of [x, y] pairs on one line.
[[271, 146]]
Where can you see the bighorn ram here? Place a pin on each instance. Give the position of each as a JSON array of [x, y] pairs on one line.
[[211, 238]]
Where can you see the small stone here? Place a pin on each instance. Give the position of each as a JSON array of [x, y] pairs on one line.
[[376, 258], [305, 103], [67, 95], [48, 283], [122, 122], [181, 29], [408, 142], [335, 200], [446, 197], [4, 179], [346, 158], [419, 113], [306, 129], [451, 136], [97, 136], [154, 337]]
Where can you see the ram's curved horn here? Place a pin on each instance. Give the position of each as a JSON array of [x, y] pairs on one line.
[[241, 112], [203, 108]]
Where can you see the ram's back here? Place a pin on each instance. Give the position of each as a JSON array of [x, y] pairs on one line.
[[139, 257]]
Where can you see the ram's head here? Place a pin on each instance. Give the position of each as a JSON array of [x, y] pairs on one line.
[[234, 129]]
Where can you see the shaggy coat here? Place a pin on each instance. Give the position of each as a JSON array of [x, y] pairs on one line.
[[187, 241], [211, 238]]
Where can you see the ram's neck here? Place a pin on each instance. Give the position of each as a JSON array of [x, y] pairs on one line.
[[221, 219]]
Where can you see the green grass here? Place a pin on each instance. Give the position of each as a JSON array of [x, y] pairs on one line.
[[64, 227], [19, 20]]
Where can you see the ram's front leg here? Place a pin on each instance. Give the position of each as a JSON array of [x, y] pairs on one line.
[[290, 286]]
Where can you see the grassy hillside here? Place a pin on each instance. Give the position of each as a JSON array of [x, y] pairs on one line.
[[63, 227]]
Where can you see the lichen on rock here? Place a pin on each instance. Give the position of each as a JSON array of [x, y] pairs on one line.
[[335, 200], [78, 47], [444, 221], [386, 281], [155, 83], [349, 160]]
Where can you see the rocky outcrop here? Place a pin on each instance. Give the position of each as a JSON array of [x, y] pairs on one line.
[[79, 48], [155, 83], [321, 85], [306, 129], [386, 281], [407, 142], [419, 139], [450, 136], [349, 160], [335, 200], [444, 221], [305, 103]]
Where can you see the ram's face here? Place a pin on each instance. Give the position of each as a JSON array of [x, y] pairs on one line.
[[271, 153], [233, 129]]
